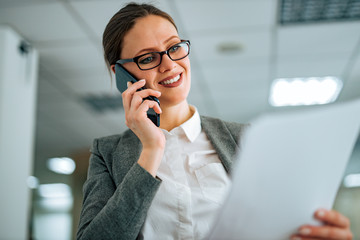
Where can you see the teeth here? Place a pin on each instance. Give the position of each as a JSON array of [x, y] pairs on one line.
[[170, 81]]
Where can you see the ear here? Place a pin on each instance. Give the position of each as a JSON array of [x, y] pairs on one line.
[[113, 68]]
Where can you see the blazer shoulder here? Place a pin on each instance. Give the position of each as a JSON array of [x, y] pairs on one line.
[[236, 129]]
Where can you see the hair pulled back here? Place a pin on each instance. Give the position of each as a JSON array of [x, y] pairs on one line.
[[121, 23]]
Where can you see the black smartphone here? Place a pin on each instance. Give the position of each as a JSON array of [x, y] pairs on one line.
[[122, 77]]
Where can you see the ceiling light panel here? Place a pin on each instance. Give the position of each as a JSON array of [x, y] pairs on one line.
[[305, 11], [304, 91], [352, 180], [62, 165]]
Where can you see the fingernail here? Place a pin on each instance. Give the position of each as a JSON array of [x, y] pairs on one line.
[[305, 231], [142, 80], [128, 84], [321, 213]]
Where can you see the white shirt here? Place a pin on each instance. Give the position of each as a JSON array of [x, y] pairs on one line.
[[194, 184]]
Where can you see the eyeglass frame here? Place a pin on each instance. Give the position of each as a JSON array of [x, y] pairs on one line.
[[135, 59]]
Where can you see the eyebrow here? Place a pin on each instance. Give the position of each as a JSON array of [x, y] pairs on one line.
[[145, 50]]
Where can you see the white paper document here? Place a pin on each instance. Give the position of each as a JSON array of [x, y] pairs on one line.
[[289, 165]]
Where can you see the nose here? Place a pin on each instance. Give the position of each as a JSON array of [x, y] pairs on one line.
[[166, 64]]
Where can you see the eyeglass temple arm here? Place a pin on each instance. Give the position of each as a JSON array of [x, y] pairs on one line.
[[122, 61]]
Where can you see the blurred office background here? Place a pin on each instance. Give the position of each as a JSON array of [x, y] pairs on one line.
[[54, 76]]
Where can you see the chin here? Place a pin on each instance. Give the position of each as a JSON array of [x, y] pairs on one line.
[[173, 101]]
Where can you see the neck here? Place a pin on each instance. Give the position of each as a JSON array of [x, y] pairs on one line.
[[173, 116]]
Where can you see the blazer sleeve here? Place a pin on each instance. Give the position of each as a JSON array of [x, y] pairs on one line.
[[110, 211]]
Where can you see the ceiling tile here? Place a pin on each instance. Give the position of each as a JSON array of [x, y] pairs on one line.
[[315, 39], [241, 106], [312, 66], [15, 3], [219, 15], [244, 86], [46, 88], [95, 84], [48, 92], [252, 45], [88, 129], [238, 75], [113, 121], [104, 10], [42, 22], [352, 83], [66, 108], [84, 55], [82, 71]]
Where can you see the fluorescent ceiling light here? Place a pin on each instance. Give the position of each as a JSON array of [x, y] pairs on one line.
[[352, 180], [55, 197], [304, 91], [55, 190], [32, 182], [56, 204], [61, 165]]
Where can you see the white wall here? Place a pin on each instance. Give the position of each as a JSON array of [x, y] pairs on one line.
[[18, 85]]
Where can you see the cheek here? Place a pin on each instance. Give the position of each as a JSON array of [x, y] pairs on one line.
[[139, 74], [134, 70], [188, 70], [187, 63], [149, 78], [187, 67]]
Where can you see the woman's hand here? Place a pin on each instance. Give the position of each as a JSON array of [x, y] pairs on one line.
[[136, 114], [152, 138], [336, 226]]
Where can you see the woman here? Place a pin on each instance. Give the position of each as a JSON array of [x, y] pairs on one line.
[[163, 182]]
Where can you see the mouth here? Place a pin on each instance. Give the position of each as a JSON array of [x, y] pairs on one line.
[[170, 81]]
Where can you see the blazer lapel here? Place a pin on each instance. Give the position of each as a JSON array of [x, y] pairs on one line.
[[221, 139]]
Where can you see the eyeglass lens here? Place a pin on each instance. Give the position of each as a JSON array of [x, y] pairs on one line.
[[153, 59]]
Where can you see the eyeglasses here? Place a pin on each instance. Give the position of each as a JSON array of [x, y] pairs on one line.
[[153, 59]]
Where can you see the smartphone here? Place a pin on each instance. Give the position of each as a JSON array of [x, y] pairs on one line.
[[122, 77]]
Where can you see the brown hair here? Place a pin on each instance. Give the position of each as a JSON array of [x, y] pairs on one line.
[[121, 23]]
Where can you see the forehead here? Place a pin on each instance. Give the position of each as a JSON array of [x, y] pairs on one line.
[[148, 32]]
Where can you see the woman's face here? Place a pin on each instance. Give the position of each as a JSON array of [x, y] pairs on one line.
[[153, 34]]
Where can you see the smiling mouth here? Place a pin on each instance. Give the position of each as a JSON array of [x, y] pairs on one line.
[[170, 81]]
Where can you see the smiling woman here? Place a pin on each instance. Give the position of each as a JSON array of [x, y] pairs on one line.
[[164, 182]]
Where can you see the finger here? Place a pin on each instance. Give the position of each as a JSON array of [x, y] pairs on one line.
[[332, 217], [127, 95], [139, 97], [298, 237], [148, 92], [141, 113], [324, 232], [133, 87], [147, 104]]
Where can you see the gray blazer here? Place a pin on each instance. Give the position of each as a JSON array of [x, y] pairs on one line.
[[118, 192]]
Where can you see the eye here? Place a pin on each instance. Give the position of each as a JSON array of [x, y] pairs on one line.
[[175, 48], [147, 59]]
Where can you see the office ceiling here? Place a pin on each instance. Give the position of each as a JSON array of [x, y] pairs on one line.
[[238, 48]]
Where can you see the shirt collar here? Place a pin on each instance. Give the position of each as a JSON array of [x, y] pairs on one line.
[[192, 127]]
